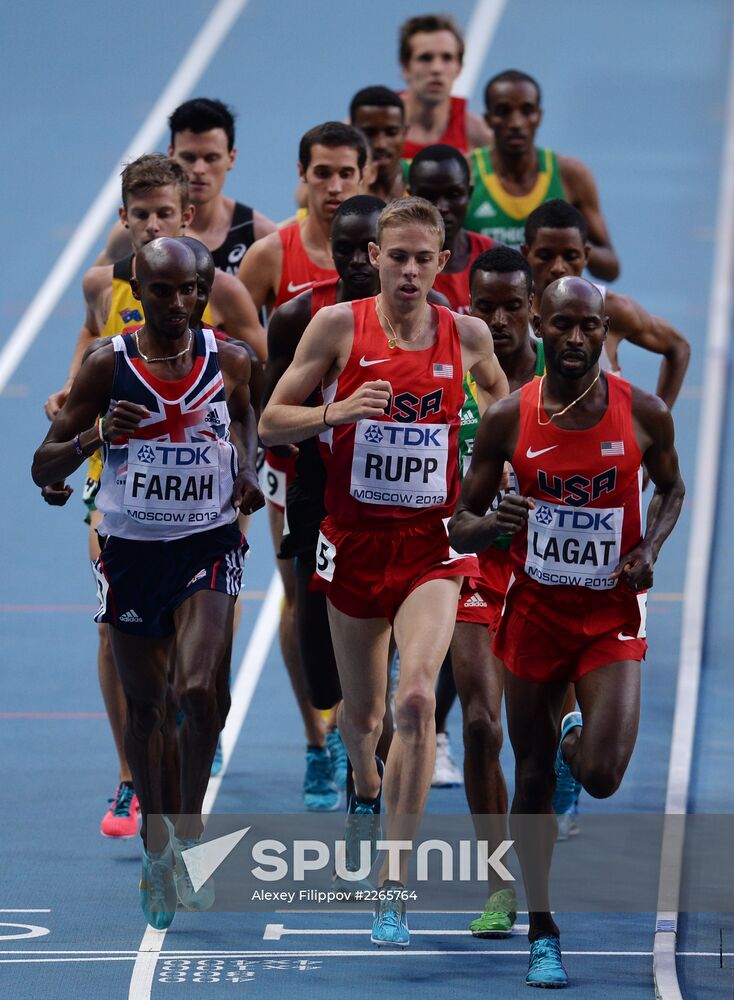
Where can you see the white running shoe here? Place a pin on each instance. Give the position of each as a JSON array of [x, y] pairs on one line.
[[445, 772]]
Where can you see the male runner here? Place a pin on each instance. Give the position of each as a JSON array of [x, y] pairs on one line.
[[168, 406], [575, 607], [501, 282], [431, 52], [392, 476], [380, 113], [202, 141], [513, 176], [557, 245]]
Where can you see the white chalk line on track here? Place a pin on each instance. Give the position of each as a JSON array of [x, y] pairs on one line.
[[479, 34], [258, 647], [184, 79], [703, 517]]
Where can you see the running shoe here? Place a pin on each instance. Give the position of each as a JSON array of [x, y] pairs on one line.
[[363, 822], [121, 819], [546, 966], [218, 761], [498, 919], [339, 759], [390, 924], [445, 772], [320, 794], [158, 889], [568, 822], [568, 788], [193, 899]]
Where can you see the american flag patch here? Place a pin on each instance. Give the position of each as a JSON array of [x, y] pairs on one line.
[[612, 448], [443, 371]]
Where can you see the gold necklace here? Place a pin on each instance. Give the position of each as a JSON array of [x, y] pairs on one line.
[[391, 341], [544, 423], [173, 357]]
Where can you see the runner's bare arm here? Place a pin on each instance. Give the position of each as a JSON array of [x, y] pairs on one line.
[[95, 282], [58, 456], [477, 131], [479, 358], [656, 435], [260, 270], [630, 321], [236, 368], [582, 192], [118, 245], [285, 330], [471, 529], [232, 304], [320, 356]]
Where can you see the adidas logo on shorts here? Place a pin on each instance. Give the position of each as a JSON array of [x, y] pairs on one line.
[[131, 617], [475, 601]]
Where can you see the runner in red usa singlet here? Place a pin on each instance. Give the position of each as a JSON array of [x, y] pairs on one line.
[[574, 608], [391, 369]]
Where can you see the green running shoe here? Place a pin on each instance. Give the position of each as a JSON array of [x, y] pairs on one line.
[[158, 889], [498, 919]]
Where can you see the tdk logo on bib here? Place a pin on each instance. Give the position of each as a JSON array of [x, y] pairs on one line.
[[146, 454], [574, 546], [400, 464]]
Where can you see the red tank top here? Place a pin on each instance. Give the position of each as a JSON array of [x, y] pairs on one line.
[[456, 286], [323, 294], [587, 490], [298, 271], [405, 464], [455, 134]]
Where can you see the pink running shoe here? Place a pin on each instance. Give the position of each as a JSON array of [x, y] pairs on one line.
[[121, 819]]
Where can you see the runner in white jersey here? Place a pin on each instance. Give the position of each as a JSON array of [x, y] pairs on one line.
[[168, 406]]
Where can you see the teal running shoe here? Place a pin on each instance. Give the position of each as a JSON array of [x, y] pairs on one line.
[[339, 759], [190, 871], [390, 924], [568, 788], [363, 822], [158, 889], [320, 794], [546, 967], [218, 761]]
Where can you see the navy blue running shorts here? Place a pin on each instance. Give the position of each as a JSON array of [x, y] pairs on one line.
[[140, 584]]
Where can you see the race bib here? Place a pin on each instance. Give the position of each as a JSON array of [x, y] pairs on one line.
[[172, 483], [402, 464], [573, 546], [274, 484]]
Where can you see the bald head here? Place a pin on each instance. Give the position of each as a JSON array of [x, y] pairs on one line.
[[205, 267], [562, 292], [164, 258]]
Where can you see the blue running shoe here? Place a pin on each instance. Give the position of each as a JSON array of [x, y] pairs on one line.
[[218, 761], [546, 966], [363, 822], [568, 788], [186, 871], [390, 924], [320, 794], [339, 759], [568, 823], [158, 889]]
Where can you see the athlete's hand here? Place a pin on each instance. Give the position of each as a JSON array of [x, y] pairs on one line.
[[369, 401], [123, 419], [512, 513], [636, 567], [56, 494], [247, 496], [55, 401]]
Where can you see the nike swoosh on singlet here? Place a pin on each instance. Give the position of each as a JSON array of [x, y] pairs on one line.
[[299, 288], [541, 451], [626, 638], [364, 363]]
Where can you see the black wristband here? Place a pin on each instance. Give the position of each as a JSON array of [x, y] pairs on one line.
[[326, 422]]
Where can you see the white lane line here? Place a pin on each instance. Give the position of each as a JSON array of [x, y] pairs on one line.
[[274, 932], [185, 78], [703, 516], [5, 910], [479, 33], [112, 955], [258, 647]]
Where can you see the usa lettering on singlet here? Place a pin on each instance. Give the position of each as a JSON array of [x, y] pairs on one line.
[[586, 485], [405, 464], [175, 476]]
